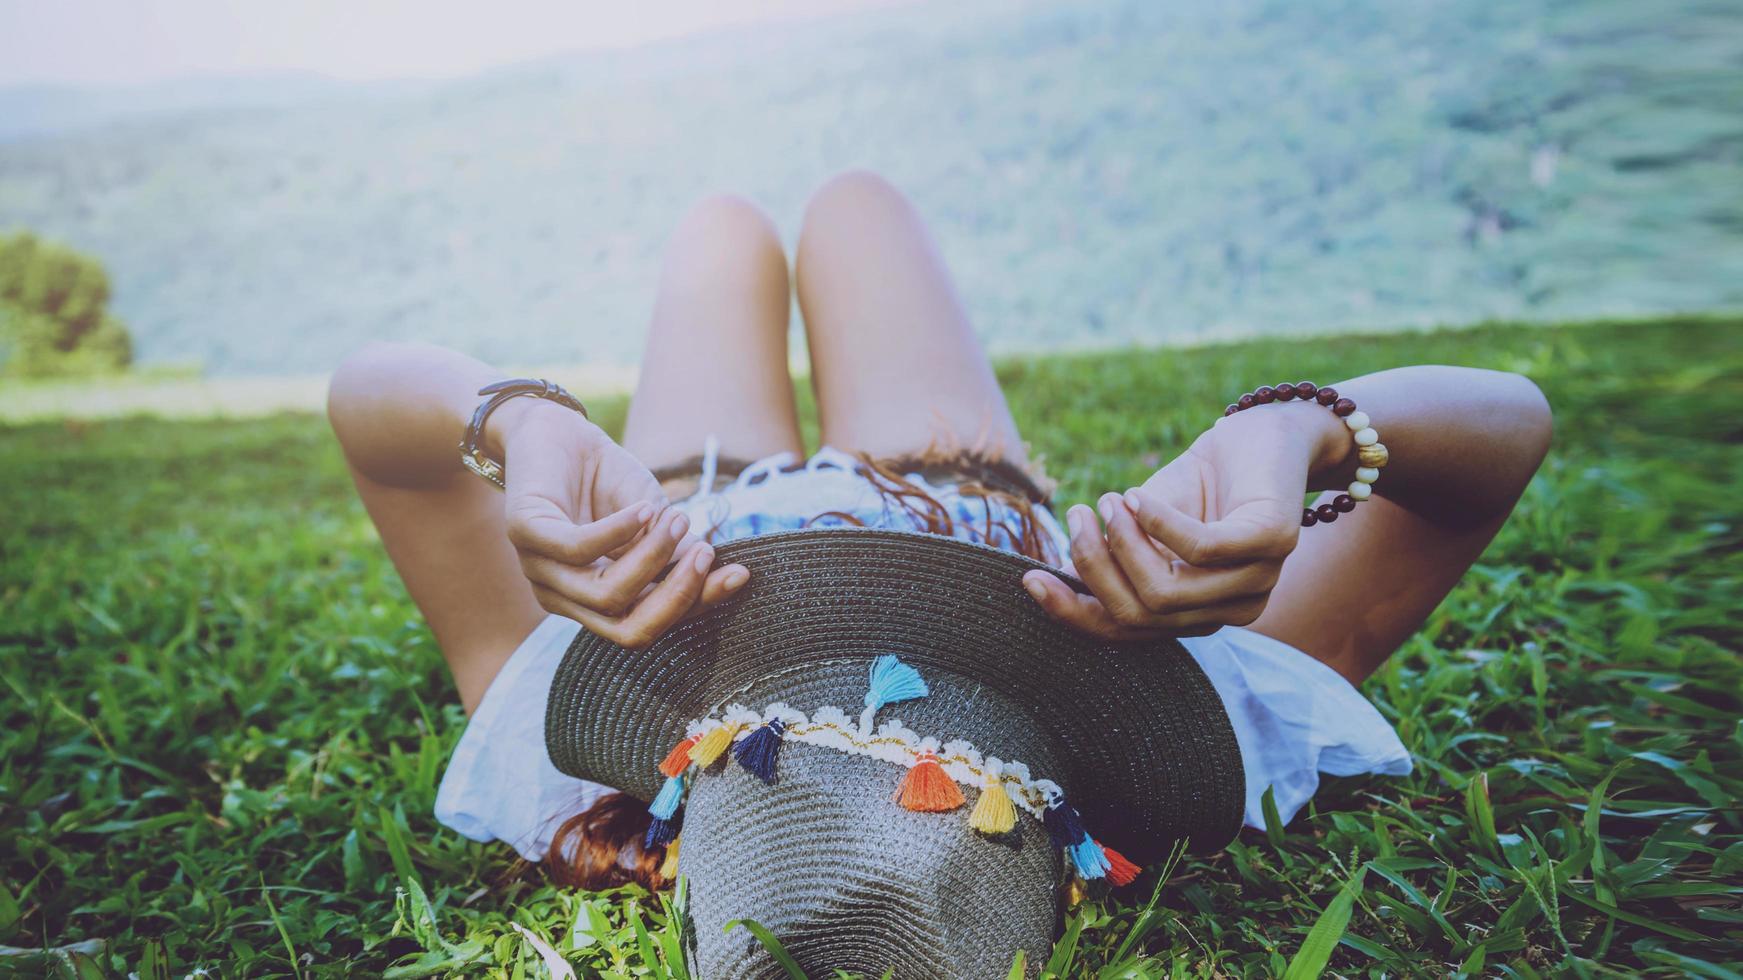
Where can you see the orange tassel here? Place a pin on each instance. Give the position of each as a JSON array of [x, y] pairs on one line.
[[678, 759], [927, 787], [1121, 870]]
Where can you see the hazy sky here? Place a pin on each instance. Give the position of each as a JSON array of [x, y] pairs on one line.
[[108, 41]]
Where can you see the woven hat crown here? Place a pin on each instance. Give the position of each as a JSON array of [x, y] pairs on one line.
[[1133, 734]]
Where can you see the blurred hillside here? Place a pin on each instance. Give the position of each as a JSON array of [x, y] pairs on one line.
[[1099, 173]]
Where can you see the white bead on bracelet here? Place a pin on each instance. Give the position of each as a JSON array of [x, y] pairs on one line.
[[1371, 454]]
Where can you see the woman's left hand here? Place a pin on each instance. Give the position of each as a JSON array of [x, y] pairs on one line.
[[1201, 544]]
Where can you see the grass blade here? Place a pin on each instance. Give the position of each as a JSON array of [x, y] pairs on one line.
[[770, 943], [554, 962], [1315, 952], [283, 934], [1065, 950], [1273, 820]]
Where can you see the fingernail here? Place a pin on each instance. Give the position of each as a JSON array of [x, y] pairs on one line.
[[735, 578], [1074, 520], [1036, 589], [1105, 507], [644, 512], [704, 558], [680, 524], [1132, 500]]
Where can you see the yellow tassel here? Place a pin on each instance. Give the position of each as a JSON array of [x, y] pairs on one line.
[[993, 812], [669, 866], [714, 744], [1074, 892]]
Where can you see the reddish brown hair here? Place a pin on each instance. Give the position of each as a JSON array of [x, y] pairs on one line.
[[601, 847]]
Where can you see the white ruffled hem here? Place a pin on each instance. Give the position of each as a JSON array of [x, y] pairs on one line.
[[1294, 718]]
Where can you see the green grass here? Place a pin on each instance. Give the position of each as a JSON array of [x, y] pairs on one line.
[[222, 722]]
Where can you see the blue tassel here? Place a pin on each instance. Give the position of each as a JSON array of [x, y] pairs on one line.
[[670, 798], [1064, 827], [892, 681], [757, 751], [661, 832], [1092, 862]]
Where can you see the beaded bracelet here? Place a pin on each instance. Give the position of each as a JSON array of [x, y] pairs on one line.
[[1371, 454]]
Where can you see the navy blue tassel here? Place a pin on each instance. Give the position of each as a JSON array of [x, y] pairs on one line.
[[1064, 827], [757, 751], [661, 832]]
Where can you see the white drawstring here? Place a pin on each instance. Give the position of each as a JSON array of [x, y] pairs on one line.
[[710, 464]]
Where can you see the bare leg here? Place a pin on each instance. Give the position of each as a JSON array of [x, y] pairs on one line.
[[1385, 569], [716, 360], [716, 363], [895, 364]]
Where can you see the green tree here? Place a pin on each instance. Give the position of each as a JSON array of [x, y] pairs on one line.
[[54, 317]]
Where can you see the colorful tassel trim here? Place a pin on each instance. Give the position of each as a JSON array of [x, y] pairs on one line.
[[660, 832], [1064, 827], [930, 785], [1121, 871], [1091, 862], [671, 796], [891, 681], [669, 863], [758, 751], [678, 759], [714, 744], [994, 814], [927, 787]]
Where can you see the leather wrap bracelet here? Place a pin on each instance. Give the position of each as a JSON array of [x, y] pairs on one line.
[[472, 454]]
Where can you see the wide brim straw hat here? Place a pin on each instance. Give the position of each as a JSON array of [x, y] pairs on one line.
[[888, 755]]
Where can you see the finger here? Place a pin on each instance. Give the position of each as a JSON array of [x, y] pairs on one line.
[[596, 623], [722, 584], [625, 579], [538, 525], [1086, 613], [1165, 586], [1074, 609], [578, 585], [1250, 533], [1204, 620], [669, 602], [1148, 570], [1096, 566]]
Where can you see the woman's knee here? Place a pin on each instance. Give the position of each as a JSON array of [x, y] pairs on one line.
[[724, 227], [851, 199]]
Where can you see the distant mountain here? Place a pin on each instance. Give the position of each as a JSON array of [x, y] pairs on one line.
[[51, 110], [1109, 172]]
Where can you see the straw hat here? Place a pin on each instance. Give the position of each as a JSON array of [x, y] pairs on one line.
[[766, 731]]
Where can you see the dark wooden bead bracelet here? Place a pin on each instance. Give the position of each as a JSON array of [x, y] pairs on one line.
[[1371, 456]]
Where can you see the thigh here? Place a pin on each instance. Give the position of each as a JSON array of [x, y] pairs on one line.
[[1353, 592], [716, 357], [450, 546], [894, 361]]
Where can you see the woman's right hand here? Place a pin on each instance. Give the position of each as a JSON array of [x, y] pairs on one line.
[[594, 531]]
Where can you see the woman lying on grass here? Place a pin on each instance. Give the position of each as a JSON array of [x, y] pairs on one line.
[[618, 537]]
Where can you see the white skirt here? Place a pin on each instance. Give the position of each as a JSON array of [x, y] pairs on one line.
[[1293, 716]]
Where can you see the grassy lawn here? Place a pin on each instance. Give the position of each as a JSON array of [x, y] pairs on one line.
[[222, 722]]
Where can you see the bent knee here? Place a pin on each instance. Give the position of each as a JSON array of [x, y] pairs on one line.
[[729, 217], [853, 195], [1537, 415]]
